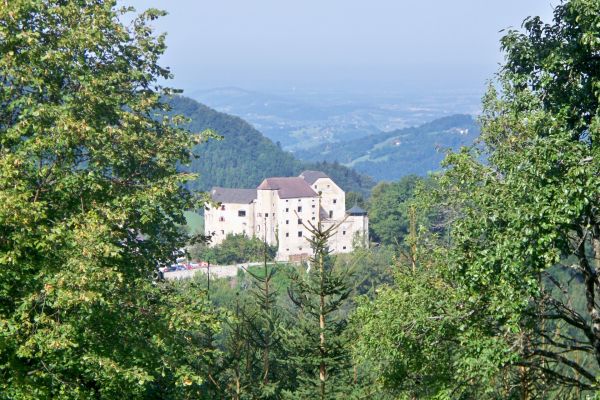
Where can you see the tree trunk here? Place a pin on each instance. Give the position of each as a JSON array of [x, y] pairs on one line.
[[322, 369]]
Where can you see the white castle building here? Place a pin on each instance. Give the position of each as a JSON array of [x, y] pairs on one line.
[[279, 211]]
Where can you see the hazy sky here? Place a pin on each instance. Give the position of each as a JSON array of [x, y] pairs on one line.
[[337, 44]]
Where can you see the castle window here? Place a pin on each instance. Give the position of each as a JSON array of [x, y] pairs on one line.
[[287, 210], [222, 232], [241, 213], [287, 221], [334, 201], [330, 214], [260, 214], [315, 186], [313, 218], [222, 207], [266, 215], [313, 206], [299, 208], [299, 221], [343, 232], [287, 234], [344, 247], [299, 233], [300, 248], [221, 219]]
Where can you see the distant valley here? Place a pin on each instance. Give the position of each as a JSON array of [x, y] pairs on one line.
[[391, 155], [244, 157], [299, 120], [385, 137]]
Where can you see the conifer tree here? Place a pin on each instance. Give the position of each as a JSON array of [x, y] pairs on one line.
[[238, 361], [317, 345], [264, 328]]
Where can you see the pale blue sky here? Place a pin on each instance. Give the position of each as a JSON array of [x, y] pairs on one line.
[[337, 44]]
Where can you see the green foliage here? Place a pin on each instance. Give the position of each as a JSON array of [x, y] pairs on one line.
[[388, 210], [391, 155], [371, 268], [318, 347], [407, 336], [355, 199], [264, 326], [87, 169], [233, 249], [244, 157], [255, 319], [536, 203], [523, 249]]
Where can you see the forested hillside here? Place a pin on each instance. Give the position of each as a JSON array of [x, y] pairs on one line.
[[484, 285], [244, 157], [391, 155]]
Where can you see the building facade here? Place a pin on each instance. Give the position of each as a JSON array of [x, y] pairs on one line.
[[281, 211]]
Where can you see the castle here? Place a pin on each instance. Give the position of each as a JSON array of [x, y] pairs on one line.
[[279, 211]]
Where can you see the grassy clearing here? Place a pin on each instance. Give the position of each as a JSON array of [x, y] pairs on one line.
[[194, 222]]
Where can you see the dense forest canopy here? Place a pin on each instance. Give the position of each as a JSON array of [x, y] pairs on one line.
[[244, 157], [389, 156]]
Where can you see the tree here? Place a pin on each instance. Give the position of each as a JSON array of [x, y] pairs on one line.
[[388, 215], [90, 203], [317, 346], [407, 336], [355, 199], [529, 233], [235, 248], [522, 208]]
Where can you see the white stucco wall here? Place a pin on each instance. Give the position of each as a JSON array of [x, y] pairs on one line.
[[226, 219], [293, 214], [266, 215], [277, 220], [333, 198]]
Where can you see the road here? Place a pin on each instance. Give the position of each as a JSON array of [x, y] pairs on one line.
[[217, 271]]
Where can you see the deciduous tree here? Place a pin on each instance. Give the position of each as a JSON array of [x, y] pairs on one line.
[[90, 203]]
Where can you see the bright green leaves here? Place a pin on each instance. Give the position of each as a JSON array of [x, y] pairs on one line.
[[90, 202], [522, 213]]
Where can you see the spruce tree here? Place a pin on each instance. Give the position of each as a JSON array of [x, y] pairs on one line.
[[239, 357], [319, 352], [264, 328]]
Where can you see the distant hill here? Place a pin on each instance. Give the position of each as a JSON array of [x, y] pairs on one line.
[[293, 123], [244, 157], [301, 118], [391, 155]]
